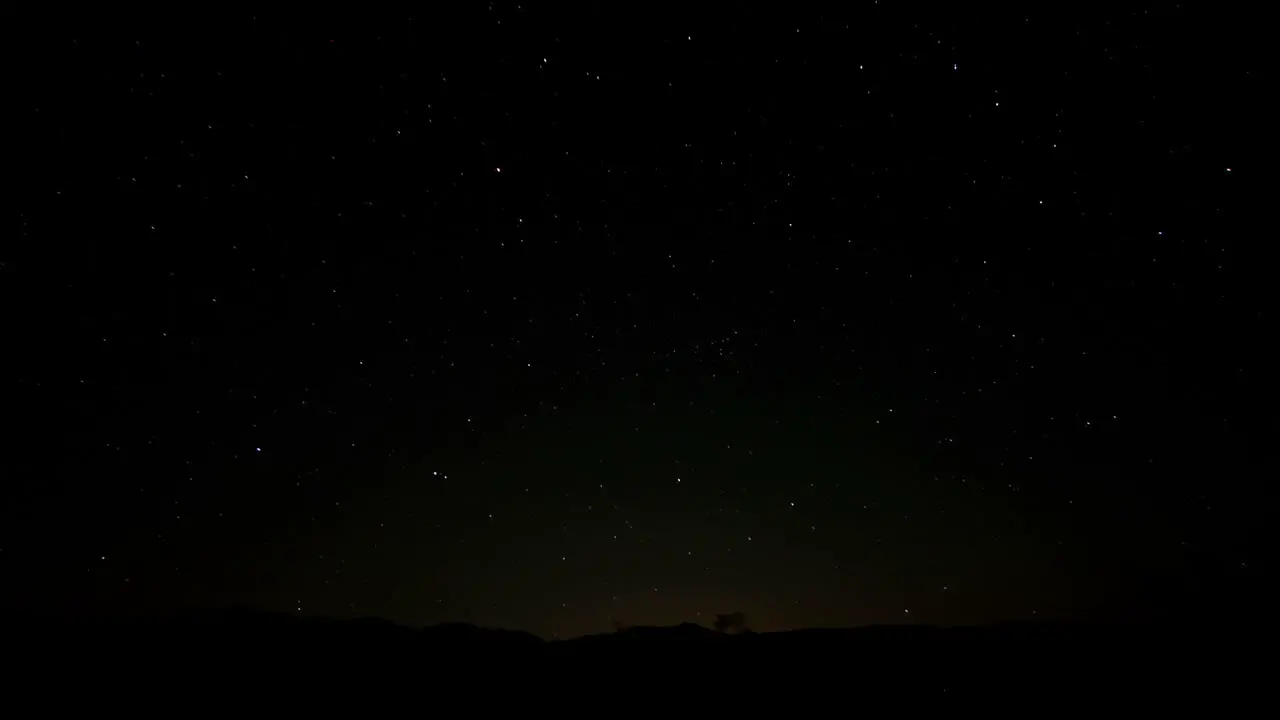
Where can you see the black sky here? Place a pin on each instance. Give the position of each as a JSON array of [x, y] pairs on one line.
[[545, 318]]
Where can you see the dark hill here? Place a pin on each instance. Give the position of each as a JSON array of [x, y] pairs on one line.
[[239, 649]]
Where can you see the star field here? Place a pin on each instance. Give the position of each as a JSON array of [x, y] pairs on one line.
[[548, 319]]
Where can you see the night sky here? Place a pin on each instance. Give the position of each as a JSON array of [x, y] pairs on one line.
[[544, 319]]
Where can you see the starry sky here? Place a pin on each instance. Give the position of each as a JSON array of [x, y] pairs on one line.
[[547, 318]]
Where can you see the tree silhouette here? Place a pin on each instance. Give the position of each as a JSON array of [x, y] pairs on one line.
[[732, 623]]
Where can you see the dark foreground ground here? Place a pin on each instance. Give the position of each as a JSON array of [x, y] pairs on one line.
[[1039, 668]]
